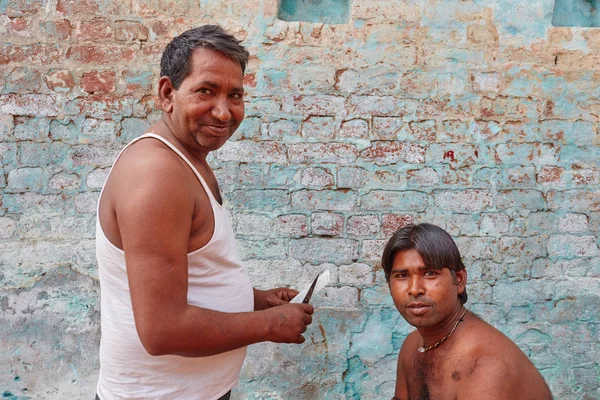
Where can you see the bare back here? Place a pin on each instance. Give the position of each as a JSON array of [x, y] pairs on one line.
[[476, 362]]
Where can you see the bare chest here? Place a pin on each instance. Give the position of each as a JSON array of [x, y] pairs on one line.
[[435, 376]]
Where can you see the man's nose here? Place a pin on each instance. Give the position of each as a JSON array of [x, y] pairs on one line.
[[220, 110], [415, 286]]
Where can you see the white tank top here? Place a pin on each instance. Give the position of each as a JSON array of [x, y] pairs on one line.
[[217, 280]]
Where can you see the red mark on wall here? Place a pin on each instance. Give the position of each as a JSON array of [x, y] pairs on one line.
[[449, 154]]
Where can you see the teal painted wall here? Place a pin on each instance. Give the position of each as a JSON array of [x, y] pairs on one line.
[[479, 116]]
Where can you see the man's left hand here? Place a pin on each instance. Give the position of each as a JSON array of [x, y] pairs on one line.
[[264, 299]]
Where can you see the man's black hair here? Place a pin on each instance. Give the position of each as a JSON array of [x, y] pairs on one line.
[[435, 246], [175, 60]]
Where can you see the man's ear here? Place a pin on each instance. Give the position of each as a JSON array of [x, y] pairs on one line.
[[166, 91], [461, 280]]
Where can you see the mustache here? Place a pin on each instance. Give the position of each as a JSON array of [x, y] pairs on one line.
[[418, 301]]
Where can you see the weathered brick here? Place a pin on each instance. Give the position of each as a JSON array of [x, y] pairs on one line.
[[371, 250], [95, 130], [423, 177], [485, 82], [573, 223], [385, 200], [338, 153], [520, 199], [292, 225], [266, 249], [34, 54], [355, 274], [32, 203], [23, 80], [574, 200], [527, 153], [76, 7], [34, 129], [541, 222], [126, 31], [130, 129], [462, 224], [8, 227], [580, 155], [19, 8], [550, 175], [456, 154], [387, 128], [41, 154], [249, 151], [569, 132], [102, 106], [7, 127], [324, 200], [25, 179], [573, 246], [374, 79], [319, 128], [138, 81], [519, 247], [99, 81], [334, 296], [508, 107], [98, 54], [383, 153], [354, 128], [324, 249], [39, 105], [98, 155], [64, 181], [96, 178], [60, 80], [390, 223], [351, 177], [59, 30], [96, 29], [463, 200], [260, 200], [477, 248], [253, 224], [494, 224], [583, 176], [315, 105], [374, 105], [327, 224], [86, 203], [363, 225], [312, 79], [316, 177], [520, 176], [282, 129]]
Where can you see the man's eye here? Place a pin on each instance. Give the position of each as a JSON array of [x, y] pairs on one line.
[[204, 91], [430, 273], [237, 96]]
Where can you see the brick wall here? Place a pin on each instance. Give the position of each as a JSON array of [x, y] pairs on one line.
[[475, 115]]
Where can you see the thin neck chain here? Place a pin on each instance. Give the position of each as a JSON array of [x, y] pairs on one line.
[[423, 349]]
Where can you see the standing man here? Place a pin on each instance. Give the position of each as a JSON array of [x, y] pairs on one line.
[[178, 309], [453, 354]]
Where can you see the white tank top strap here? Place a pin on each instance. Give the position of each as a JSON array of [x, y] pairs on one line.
[[179, 153]]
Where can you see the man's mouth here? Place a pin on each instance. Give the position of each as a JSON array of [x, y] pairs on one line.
[[418, 308]]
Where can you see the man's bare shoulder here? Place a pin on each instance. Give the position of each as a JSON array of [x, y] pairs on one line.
[[496, 366]]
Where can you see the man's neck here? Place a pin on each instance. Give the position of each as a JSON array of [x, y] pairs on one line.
[[431, 335]]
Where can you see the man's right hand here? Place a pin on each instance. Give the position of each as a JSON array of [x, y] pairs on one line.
[[288, 322]]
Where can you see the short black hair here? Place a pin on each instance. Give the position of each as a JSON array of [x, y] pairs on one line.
[[435, 246], [175, 60]]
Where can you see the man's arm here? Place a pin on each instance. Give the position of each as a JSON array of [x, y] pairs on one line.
[[489, 379], [401, 392], [154, 208]]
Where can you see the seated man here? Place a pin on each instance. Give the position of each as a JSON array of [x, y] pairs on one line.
[[453, 354]]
